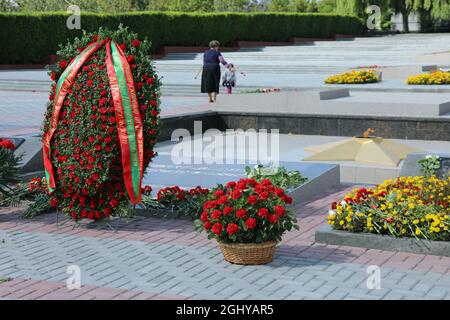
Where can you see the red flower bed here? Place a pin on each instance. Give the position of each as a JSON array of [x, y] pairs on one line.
[[85, 148], [247, 211]]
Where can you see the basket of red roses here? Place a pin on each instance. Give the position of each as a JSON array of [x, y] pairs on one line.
[[247, 218]]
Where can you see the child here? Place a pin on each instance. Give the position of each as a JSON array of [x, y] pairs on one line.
[[229, 78]]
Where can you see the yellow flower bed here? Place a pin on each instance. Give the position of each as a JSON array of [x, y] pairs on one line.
[[354, 77], [437, 77], [407, 207]]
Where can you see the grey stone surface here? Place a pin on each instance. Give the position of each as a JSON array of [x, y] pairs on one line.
[[430, 68], [334, 94], [31, 149], [411, 166], [327, 235], [204, 275]]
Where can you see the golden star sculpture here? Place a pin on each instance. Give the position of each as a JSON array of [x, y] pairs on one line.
[[366, 148]]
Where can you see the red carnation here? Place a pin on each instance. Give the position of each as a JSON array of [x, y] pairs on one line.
[[150, 81], [205, 216], [252, 200], [232, 228], [130, 58], [218, 193], [217, 228], [53, 202], [122, 46], [114, 203], [279, 210], [89, 83], [273, 218], [216, 214], [7, 144], [63, 64], [154, 113], [263, 212], [136, 43], [53, 76], [241, 213], [207, 225], [231, 185], [153, 103], [227, 210], [250, 223], [287, 199], [139, 85], [95, 37], [236, 194]]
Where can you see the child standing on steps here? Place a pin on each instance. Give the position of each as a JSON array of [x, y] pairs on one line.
[[229, 78]]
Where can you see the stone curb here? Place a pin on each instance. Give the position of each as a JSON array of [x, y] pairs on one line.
[[327, 235]]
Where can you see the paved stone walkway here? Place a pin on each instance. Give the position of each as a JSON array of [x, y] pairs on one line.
[[165, 259]]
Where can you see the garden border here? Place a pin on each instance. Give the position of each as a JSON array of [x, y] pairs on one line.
[[326, 235]]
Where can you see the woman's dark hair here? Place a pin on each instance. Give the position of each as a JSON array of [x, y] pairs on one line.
[[214, 44]]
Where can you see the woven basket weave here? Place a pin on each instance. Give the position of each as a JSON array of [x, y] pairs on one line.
[[248, 253]]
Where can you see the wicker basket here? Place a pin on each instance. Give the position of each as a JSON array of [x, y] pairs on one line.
[[248, 253]]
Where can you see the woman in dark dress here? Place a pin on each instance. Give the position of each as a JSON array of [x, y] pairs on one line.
[[212, 58]]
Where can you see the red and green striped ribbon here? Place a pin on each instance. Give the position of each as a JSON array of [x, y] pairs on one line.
[[128, 119], [129, 123], [62, 87]]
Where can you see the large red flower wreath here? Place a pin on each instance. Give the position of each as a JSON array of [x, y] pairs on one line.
[[86, 150]]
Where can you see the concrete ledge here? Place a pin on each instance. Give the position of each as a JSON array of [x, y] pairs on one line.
[[327, 235], [430, 68], [334, 94]]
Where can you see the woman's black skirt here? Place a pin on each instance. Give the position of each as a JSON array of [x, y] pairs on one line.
[[211, 78]]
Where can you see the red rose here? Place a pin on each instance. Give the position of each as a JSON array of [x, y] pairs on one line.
[[150, 81], [152, 132], [273, 218], [252, 200], [279, 210], [154, 113], [53, 76], [217, 228], [153, 103], [264, 195], [139, 85], [143, 107], [263, 212], [266, 182], [136, 43], [232, 228], [122, 46], [95, 37], [241, 213], [250, 223], [207, 225], [227, 210], [89, 83]]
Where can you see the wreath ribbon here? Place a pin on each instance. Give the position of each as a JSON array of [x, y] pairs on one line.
[[126, 108]]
